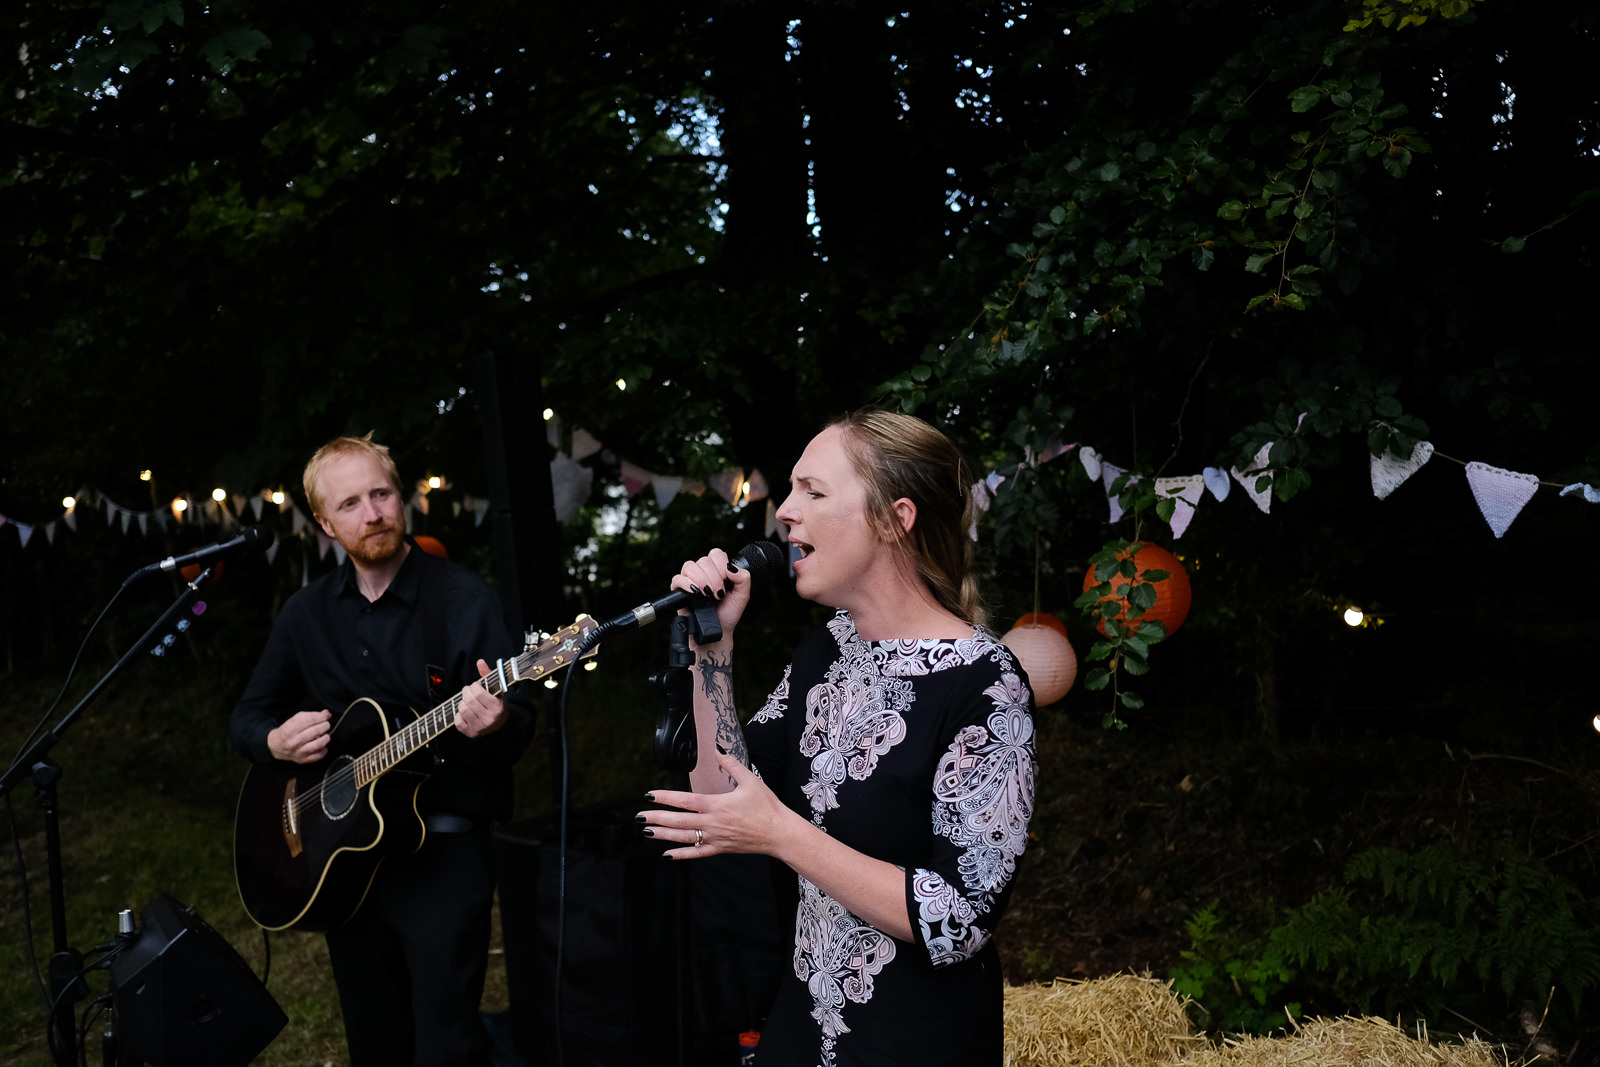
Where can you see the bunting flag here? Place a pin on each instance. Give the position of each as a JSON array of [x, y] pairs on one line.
[[1216, 480], [635, 477], [1185, 493], [980, 503], [1501, 495], [772, 525], [583, 444], [758, 486], [1091, 462], [1252, 475], [729, 484], [1109, 473], [1389, 471], [570, 482], [667, 488], [1590, 493]]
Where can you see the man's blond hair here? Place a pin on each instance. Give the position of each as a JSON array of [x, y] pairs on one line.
[[338, 448]]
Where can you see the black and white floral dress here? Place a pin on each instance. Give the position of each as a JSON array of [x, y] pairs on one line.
[[918, 752]]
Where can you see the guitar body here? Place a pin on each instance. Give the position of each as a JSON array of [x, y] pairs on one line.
[[308, 841]]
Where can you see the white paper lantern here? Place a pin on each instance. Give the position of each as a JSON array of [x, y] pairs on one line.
[[1047, 656]]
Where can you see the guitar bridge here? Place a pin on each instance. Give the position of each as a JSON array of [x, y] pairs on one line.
[[291, 821]]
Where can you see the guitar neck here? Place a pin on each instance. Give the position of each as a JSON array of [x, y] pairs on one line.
[[557, 652]]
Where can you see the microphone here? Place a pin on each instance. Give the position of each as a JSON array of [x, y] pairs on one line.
[[762, 559], [253, 539]]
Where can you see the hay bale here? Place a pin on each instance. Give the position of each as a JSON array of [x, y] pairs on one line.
[[1346, 1042], [1120, 1021]]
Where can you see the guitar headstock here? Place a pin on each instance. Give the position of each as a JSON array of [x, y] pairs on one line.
[[557, 651]]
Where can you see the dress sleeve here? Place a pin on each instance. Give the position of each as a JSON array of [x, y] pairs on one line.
[[982, 802]]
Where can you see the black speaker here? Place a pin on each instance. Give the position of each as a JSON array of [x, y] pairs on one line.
[[620, 957], [184, 997]]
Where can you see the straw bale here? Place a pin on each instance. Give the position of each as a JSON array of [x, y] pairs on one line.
[[1344, 1042], [1120, 1021]]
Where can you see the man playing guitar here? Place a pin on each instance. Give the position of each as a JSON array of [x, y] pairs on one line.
[[406, 630]]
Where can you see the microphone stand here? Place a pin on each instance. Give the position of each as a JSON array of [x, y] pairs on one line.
[[677, 751], [66, 986]]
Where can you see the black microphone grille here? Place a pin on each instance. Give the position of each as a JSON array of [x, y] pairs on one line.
[[257, 537], [764, 559]]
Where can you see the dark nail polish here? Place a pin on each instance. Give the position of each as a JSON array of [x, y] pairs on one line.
[[648, 832], [638, 818], [721, 749], [651, 797]]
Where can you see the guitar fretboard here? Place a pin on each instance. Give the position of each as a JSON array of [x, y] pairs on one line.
[[554, 654]]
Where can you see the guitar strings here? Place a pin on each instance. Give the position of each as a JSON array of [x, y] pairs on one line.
[[371, 761]]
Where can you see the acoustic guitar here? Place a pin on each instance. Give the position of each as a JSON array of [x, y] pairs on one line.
[[309, 837]]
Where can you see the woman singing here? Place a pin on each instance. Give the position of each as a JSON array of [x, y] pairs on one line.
[[892, 769]]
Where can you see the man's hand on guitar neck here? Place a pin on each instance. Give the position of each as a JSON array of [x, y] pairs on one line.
[[303, 737], [480, 713]]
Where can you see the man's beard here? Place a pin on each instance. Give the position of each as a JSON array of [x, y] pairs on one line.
[[373, 551]]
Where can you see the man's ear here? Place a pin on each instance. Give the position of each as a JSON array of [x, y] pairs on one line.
[[322, 522], [905, 513]]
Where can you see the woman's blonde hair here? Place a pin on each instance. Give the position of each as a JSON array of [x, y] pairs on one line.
[[901, 456], [338, 448]]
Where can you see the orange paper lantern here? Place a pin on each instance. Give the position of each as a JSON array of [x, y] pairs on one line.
[[1046, 654], [1172, 593]]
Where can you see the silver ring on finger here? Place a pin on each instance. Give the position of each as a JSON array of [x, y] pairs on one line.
[[699, 838]]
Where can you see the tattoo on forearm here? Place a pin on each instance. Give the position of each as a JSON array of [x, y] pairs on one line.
[[716, 681]]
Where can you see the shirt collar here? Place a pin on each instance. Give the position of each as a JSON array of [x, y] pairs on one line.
[[407, 583]]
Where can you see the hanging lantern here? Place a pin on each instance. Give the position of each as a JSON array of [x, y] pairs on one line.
[[1041, 646], [1172, 594], [1042, 618]]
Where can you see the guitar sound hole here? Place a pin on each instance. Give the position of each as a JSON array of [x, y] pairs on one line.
[[339, 789]]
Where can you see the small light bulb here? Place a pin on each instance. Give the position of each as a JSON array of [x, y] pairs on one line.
[[1353, 616], [69, 502], [549, 413], [219, 494], [1597, 723], [277, 497], [180, 504], [145, 476], [622, 385], [434, 481]]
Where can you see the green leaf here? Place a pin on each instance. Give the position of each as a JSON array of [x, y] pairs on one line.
[[1058, 214], [1305, 98], [1232, 210], [1254, 264], [1131, 700], [1513, 245]]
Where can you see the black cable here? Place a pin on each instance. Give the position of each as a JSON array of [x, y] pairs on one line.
[[266, 946], [561, 863], [27, 907], [33, 734]]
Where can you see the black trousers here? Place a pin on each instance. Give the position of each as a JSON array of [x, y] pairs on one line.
[[410, 966]]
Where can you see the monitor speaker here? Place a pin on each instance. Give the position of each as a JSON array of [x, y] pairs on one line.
[[184, 997]]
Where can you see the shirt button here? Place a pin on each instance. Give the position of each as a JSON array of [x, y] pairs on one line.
[[363, 652]]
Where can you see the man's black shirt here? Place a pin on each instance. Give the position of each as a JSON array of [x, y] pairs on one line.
[[331, 646]]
